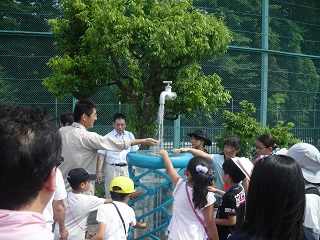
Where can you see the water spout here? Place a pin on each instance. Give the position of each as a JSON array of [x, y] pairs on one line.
[[167, 94], [155, 202]]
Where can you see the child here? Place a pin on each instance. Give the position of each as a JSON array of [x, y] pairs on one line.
[[78, 205], [115, 219], [230, 215], [275, 202], [192, 216], [308, 158], [231, 146], [199, 140], [265, 146]]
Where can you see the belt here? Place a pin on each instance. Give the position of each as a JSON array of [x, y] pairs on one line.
[[118, 164]]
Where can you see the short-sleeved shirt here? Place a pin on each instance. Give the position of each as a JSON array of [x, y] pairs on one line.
[[108, 215], [232, 204], [312, 212], [59, 194], [113, 157], [78, 208], [184, 223]]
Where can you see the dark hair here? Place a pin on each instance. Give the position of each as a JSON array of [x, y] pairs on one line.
[[118, 196], [119, 116], [66, 118], [267, 140], [233, 141], [30, 147], [200, 181], [276, 200], [76, 186], [229, 167], [83, 106]]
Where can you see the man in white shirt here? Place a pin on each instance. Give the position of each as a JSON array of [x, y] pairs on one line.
[[115, 162], [56, 208]]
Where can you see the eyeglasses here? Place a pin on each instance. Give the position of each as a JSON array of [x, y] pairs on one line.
[[260, 148]]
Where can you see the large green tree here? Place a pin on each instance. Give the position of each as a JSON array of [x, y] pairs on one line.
[[135, 45]]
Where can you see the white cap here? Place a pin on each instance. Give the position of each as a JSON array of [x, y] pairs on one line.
[[308, 157], [244, 164]]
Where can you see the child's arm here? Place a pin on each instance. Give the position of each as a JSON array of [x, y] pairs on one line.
[[216, 190], [210, 223], [140, 225], [230, 221], [195, 152], [174, 176], [245, 184], [101, 232]]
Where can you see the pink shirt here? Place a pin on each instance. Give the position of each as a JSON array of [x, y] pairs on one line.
[[24, 225]]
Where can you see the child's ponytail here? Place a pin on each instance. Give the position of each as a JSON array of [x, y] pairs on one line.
[[199, 169]]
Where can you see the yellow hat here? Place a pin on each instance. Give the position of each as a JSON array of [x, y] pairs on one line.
[[123, 185]]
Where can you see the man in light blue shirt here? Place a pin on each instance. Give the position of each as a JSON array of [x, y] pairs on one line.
[[115, 162]]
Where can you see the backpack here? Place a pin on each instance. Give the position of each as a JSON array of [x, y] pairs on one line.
[[313, 190]]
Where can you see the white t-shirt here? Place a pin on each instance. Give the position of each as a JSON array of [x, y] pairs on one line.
[[184, 223], [108, 214], [312, 212], [59, 194], [78, 208]]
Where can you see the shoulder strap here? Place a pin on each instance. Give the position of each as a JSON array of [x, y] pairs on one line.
[[124, 226], [312, 190], [72, 213], [195, 212]]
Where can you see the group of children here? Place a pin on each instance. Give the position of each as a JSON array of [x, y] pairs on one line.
[[232, 174], [114, 215], [240, 213], [274, 205]]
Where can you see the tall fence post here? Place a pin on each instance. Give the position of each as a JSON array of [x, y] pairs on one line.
[[264, 62]]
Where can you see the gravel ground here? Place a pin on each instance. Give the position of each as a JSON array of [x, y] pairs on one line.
[[92, 225]]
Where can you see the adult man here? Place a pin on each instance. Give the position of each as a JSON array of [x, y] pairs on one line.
[[80, 147], [116, 162], [55, 209], [308, 157], [30, 149], [66, 119]]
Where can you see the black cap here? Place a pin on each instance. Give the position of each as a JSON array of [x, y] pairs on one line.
[[201, 135], [79, 175]]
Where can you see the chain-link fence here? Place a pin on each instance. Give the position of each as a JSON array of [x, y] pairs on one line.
[[291, 60]]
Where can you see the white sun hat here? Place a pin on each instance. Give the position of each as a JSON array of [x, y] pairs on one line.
[[244, 164], [308, 157]]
